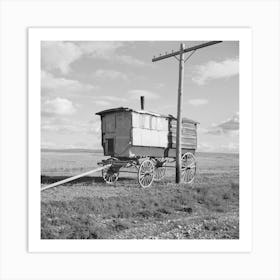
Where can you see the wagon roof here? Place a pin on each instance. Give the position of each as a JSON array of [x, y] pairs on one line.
[[125, 109]]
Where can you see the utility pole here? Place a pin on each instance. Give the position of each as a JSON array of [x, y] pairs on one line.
[[180, 94], [179, 115]]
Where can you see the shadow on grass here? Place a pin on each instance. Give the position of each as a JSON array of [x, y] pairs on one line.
[[85, 180]]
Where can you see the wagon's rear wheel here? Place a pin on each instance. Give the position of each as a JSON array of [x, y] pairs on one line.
[[146, 173], [160, 170], [110, 175], [188, 168]]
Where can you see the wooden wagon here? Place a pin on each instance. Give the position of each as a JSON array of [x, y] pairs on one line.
[[146, 141]]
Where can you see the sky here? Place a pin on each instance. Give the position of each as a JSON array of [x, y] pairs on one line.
[[79, 79]]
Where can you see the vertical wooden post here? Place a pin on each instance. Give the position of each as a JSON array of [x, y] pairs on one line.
[[179, 115], [180, 93]]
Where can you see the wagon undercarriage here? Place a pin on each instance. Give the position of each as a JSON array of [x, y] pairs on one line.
[[148, 169]]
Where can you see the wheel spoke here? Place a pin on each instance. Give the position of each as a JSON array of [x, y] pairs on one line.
[[148, 180], [185, 175], [188, 167], [110, 176], [144, 181], [146, 173]]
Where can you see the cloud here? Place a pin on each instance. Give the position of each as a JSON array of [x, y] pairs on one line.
[[95, 126], [64, 125], [100, 49], [102, 103], [110, 74], [159, 85], [136, 93], [54, 85], [215, 70], [59, 55], [108, 100], [55, 123], [58, 106], [62, 128], [229, 126], [126, 59], [198, 102], [202, 130], [109, 51]]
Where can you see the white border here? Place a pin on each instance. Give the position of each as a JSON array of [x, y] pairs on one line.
[[36, 35]]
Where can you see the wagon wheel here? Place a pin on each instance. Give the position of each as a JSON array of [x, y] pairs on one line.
[[110, 175], [188, 168], [146, 173], [160, 170]]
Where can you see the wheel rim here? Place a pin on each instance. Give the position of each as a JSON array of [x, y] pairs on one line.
[[110, 176], [188, 168], [146, 173]]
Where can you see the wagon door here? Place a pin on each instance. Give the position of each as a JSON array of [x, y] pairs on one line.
[[109, 133], [110, 145]]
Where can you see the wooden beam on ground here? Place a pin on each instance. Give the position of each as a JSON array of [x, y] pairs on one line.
[[75, 177]]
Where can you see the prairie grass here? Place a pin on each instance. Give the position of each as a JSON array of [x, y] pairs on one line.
[[90, 209], [98, 217]]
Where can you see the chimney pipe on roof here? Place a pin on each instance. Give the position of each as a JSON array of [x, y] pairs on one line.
[[142, 102]]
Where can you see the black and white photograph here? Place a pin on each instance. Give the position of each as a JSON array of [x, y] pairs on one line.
[[140, 139]]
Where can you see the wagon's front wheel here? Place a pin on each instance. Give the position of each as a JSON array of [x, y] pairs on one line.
[[146, 173], [110, 175], [188, 168]]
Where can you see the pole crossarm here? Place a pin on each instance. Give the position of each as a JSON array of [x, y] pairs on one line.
[[210, 43], [182, 61]]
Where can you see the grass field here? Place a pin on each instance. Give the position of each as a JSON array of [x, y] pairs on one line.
[[90, 209]]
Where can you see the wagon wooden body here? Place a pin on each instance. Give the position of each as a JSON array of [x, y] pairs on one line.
[[130, 136], [130, 133]]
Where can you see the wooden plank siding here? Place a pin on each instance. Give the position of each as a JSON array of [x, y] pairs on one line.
[[188, 136], [130, 133], [149, 131]]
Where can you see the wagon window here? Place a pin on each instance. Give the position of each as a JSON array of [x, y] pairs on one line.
[[153, 123], [141, 121], [147, 121], [144, 121]]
